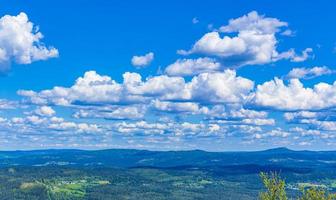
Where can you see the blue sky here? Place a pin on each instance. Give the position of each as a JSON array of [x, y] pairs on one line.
[[214, 75]]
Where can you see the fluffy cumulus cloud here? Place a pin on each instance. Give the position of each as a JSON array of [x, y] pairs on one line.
[[309, 73], [45, 111], [92, 88], [254, 22], [255, 42], [20, 42], [294, 96], [224, 87], [142, 61], [188, 67]]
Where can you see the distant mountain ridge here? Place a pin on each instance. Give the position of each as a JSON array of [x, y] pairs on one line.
[[121, 158]]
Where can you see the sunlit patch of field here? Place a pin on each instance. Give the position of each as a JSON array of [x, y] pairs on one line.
[[59, 188]]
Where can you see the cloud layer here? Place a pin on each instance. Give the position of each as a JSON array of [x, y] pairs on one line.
[[202, 96]]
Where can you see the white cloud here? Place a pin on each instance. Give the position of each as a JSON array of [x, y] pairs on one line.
[[88, 128], [234, 113], [257, 136], [310, 118], [6, 104], [278, 132], [292, 116], [237, 116], [309, 73], [178, 107], [225, 87], [320, 125], [189, 67], [17, 120], [247, 122], [35, 119], [163, 87], [72, 126], [2, 120], [306, 132], [250, 129], [214, 128], [20, 42], [300, 58], [305, 143], [275, 94], [255, 42], [212, 44], [288, 33], [142, 61], [92, 88], [45, 111], [316, 122], [325, 125], [141, 127], [34, 124], [171, 128], [56, 119], [254, 22], [116, 112], [259, 122]]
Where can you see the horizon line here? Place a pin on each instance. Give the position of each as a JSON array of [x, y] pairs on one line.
[[172, 150]]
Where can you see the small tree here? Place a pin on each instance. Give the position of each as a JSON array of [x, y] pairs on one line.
[[315, 193], [275, 187]]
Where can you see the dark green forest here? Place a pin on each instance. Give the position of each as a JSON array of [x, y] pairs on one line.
[[69, 183]]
